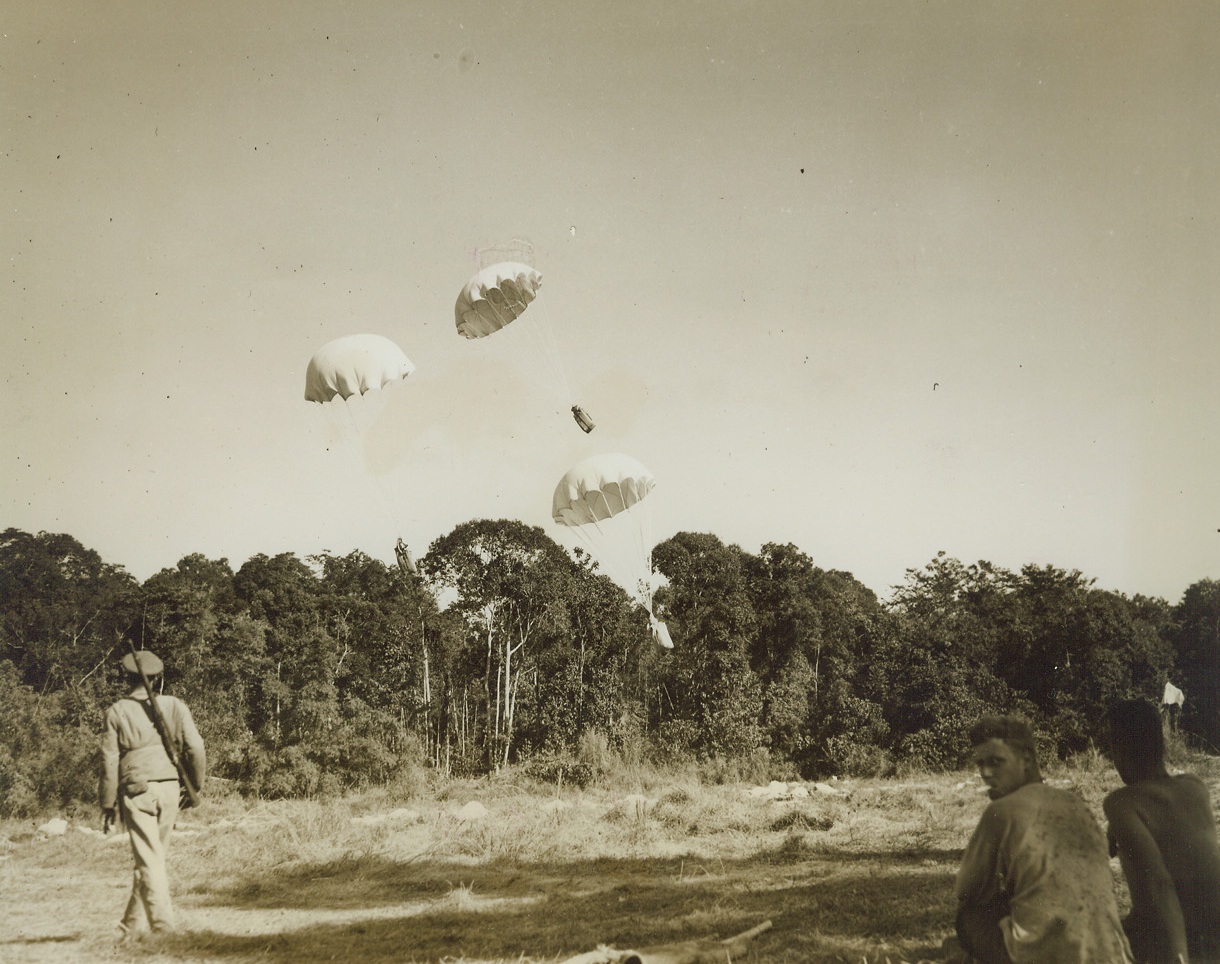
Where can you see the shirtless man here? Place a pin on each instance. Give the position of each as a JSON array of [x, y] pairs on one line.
[[1034, 886], [1163, 831]]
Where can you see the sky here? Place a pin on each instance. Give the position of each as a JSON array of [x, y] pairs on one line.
[[879, 280]]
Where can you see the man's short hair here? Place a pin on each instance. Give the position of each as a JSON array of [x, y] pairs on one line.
[[1135, 728], [1013, 730]]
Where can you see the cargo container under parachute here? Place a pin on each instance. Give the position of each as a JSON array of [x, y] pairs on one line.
[[493, 299]]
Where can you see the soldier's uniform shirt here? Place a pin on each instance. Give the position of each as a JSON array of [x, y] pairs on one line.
[[132, 752], [139, 777], [1039, 852]]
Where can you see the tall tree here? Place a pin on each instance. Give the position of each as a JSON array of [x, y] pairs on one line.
[[296, 707], [933, 666], [64, 615], [212, 648], [1074, 649], [378, 617], [509, 581], [712, 699], [787, 649], [1196, 641], [589, 679]]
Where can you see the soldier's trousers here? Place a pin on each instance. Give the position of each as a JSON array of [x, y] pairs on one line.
[[149, 816]]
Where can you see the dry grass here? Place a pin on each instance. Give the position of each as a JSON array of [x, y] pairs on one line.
[[859, 876]]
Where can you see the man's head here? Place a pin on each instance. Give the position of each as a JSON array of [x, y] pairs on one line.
[[1137, 742], [1005, 753], [148, 663]]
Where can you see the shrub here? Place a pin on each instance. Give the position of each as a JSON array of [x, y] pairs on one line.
[[276, 775], [846, 756], [802, 820], [674, 742], [935, 749], [559, 767], [409, 782], [45, 763], [755, 767], [18, 797], [594, 751]]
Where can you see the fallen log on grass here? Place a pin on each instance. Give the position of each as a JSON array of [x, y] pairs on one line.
[[705, 951]]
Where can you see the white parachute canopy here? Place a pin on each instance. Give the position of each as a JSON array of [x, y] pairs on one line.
[[604, 501], [349, 378], [354, 365], [495, 297]]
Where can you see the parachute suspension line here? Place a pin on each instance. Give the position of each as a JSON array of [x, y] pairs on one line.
[[600, 498], [504, 322], [646, 552], [643, 547], [597, 528], [605, 562], [624, 543], [378, 488], [587, 541], [535, 331], [637, 550], [351, 415], [549, 344], [344, 426]]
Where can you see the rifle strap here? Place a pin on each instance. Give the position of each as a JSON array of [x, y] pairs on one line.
[[171, 727]]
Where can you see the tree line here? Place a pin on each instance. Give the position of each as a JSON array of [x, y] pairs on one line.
[[330, 673]]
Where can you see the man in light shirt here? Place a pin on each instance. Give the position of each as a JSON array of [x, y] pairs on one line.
[[1034, 886], [140, 785]]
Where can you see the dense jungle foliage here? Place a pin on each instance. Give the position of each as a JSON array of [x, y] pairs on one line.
[[314, 676]]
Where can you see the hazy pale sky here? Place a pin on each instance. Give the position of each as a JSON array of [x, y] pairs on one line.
[[877, 279]]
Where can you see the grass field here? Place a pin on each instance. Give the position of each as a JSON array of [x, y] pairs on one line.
[[858, 871]]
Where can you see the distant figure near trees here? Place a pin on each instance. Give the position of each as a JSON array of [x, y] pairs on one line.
[[1034, 884], [1162, 829], [1172, 701]]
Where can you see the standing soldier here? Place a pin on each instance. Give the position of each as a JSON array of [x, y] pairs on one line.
[[150, 745]]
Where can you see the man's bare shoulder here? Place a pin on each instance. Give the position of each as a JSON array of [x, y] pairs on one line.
[[1182, 791], [1035, 799], [1121, 800]]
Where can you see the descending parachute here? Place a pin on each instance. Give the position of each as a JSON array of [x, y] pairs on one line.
[[604, 501], [600, 488], [354, 365], [338, 377], [497, 296]]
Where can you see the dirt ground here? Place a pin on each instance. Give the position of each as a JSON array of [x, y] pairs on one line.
[[439, 890], [480, 871], [820, 909]]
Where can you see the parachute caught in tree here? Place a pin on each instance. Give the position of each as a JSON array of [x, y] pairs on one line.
[[603, 500]]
